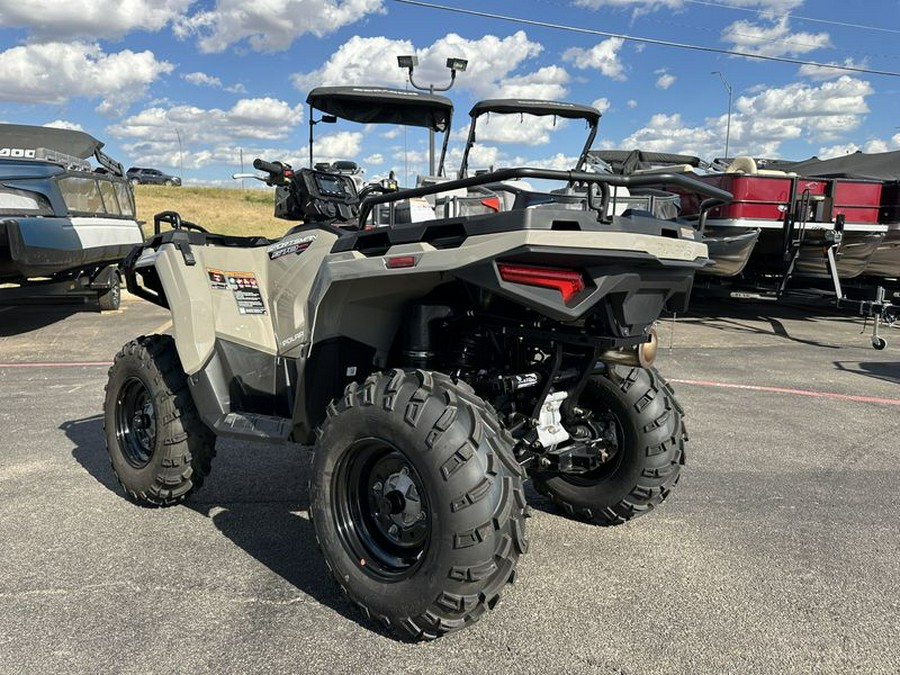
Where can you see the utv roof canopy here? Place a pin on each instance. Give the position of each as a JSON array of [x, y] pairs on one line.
[[540, 108], [377, 105], [509, 106], [61, 146]]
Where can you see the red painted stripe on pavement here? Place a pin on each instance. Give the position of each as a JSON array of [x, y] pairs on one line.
[[56, 365], [795, 392], [698, 383]]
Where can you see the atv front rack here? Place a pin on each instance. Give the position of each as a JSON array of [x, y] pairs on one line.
[[595, 200]]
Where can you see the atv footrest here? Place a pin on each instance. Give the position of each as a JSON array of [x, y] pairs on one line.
[[253, 426]]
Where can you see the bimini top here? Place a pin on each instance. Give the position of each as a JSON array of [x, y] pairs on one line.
[[870, 166], [626, 162], [507, 106], [383, 106]]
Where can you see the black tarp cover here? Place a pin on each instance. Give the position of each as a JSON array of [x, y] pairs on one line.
[[883, 166], [628, 161], [25, 137], [508, 106], [379, 105]]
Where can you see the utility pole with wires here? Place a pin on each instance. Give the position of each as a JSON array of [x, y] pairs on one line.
[[728, 122]]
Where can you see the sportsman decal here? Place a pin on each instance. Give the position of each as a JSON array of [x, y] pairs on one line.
[[296, 246]]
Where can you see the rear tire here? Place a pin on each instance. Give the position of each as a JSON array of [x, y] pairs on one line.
[[159, 448], [417, 501], [650, 435]]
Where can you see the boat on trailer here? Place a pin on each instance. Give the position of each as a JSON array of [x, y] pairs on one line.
[[810, 226], [729, 248], [883, 167], [65, 225]]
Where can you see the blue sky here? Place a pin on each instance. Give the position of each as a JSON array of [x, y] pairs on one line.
[[225, 76]]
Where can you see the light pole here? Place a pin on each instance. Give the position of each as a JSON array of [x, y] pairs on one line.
[[180, 155], [728, 123], [455, 65]]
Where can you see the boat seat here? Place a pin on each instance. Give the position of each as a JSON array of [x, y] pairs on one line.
[[747, 165], [774, 173], [672, 168], [742, 164]]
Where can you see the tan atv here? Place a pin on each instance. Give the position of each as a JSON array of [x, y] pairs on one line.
[[433, 366]]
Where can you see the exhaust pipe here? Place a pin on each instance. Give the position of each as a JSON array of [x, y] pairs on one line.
[[641, 356]]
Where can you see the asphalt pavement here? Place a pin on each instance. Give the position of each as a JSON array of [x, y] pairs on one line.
[[778, 552]]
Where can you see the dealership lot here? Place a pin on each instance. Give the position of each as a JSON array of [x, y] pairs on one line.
[[778, 552]]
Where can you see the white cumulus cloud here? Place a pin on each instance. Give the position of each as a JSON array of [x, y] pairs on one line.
[[90, 19], [55, 72], [819, 73], [602, 104], [775, 39], [65, 124], [272, 25], [264, 118], [872, 145], [603, 57], [764, 120], [665, 79], [491, 71], [644, 6]]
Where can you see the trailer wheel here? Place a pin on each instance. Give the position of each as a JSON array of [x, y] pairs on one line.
[[111, 298], [636, 411], [417, 501], [159, 448]]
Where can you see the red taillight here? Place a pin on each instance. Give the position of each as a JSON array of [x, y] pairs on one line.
[[493, 203], [568, 282]]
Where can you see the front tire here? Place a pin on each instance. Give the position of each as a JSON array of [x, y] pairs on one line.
[[647, 427], [159, 448], [417, 501]]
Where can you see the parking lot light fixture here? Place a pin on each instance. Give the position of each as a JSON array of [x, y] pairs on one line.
[[455, 65]]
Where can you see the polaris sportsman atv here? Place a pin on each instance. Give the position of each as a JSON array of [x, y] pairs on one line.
[[432, 365]]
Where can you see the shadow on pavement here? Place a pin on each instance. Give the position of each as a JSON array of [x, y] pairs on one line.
[[20, 319], [256, 496], [735, 316], [888, 371], [90, 450]]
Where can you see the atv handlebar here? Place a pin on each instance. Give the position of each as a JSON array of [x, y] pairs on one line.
[[716, 196], [274, 168]]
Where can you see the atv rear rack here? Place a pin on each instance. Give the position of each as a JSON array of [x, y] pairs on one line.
[[716, 196]]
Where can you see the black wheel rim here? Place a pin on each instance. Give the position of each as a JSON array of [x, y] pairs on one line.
[[381, 509], [136, 423]]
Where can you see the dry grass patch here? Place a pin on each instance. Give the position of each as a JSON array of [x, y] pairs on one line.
[[222, 210]]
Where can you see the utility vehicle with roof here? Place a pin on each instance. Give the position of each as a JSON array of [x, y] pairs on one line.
[[65, 225]]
